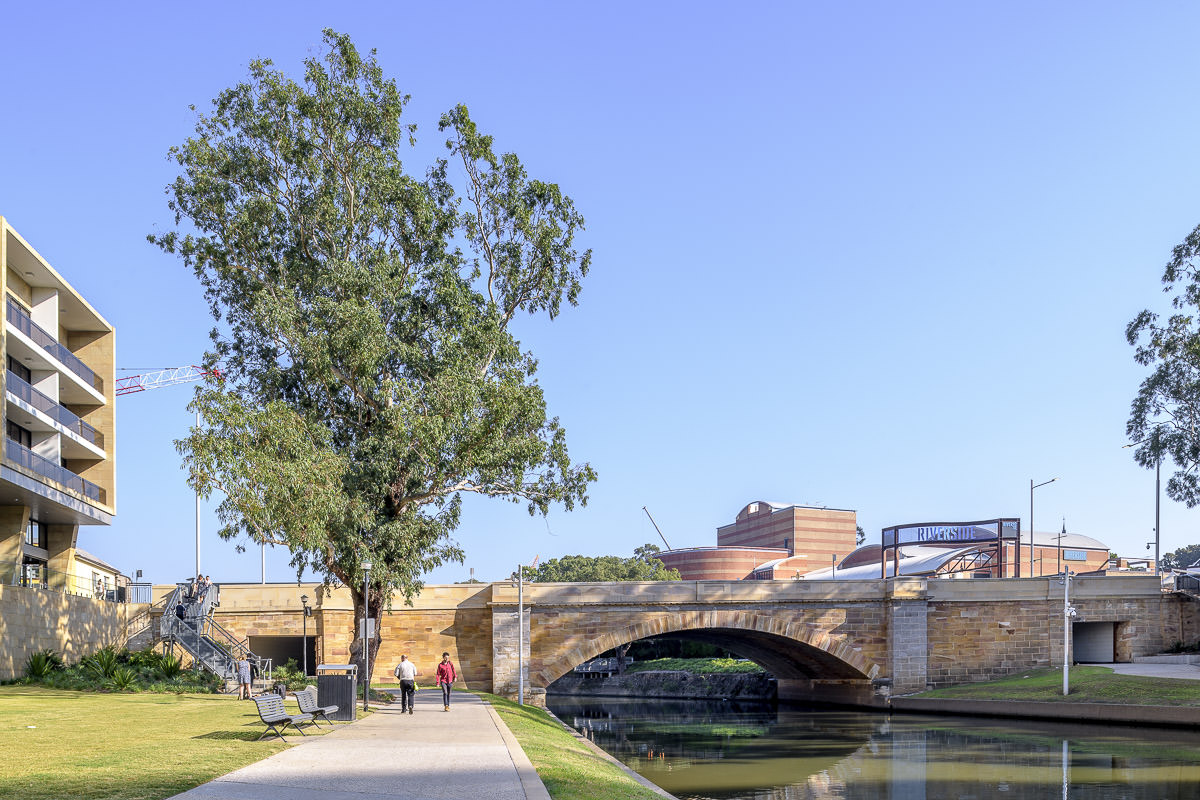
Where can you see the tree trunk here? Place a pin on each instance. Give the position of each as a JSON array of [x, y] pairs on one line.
[[621, 651]]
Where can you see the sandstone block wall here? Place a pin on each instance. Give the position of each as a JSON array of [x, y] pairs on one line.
[[36, 619]]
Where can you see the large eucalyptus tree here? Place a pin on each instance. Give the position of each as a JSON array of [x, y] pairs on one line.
[[370, 376]]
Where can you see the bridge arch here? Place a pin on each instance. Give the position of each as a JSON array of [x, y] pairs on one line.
[[788, 650]]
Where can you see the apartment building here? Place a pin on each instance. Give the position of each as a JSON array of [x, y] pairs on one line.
[[57, 472]]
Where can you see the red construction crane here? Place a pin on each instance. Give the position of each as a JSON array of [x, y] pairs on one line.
[[157, 379]]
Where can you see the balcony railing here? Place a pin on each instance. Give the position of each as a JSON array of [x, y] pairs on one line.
[[21, 388], [22, 456], [21, 320], [38, 576]]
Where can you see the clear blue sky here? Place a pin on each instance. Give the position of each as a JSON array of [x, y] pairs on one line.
[[874, 256]]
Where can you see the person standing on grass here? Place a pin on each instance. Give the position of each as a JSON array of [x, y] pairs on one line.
[[243, 675], [406, 671], [445, 679]]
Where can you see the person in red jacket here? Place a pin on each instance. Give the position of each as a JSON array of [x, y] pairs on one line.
[[445, 678]]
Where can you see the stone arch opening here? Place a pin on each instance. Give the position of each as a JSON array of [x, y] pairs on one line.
[[799, 655]]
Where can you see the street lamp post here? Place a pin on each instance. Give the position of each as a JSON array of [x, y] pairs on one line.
[[1031, 488], [366, 634], [1157, 492], [1068, 613], [304, 645]]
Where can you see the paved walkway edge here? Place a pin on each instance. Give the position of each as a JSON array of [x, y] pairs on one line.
[[1156, 716], [595, 748], [530, 782]]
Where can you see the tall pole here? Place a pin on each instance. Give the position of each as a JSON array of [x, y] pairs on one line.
[[1031, 545], [366, 633], [304, 645], [520, 635], [1157, 510], [197, 509], [1067, 613]]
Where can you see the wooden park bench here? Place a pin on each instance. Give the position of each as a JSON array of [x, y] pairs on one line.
[[307, 698], [273, 714]]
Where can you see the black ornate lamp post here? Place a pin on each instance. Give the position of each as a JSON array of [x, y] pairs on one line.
[[307, 611]]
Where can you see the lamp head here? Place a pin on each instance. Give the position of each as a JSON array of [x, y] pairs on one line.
[[303, 599]]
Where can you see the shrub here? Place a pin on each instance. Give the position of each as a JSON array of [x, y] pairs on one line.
[[123, 678], [169, 666], [101, 664], [42, 663]]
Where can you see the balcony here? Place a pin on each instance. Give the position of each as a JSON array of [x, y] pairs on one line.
[[21, 389], [22, 456], [19, 319]]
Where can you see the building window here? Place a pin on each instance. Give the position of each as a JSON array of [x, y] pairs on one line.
[[1074, 555], [20, 435], [35, 534], [20, 370]]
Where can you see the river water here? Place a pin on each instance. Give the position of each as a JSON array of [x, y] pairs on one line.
[[750, 751]]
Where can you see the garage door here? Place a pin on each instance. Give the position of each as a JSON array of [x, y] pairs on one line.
[[1094, 642]]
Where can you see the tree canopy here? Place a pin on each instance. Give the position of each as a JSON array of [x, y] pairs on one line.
[[576, 569], [370, 376], [1164, 418], [1181, 558]]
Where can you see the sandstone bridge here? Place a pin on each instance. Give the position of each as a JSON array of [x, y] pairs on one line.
[[853, 641]]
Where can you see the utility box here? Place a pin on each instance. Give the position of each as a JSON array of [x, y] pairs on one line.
[[337, 685]]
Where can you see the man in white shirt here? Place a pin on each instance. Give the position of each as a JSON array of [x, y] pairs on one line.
[[406, 671]]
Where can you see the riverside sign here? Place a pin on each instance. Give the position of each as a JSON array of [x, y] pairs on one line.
[[957, 533]]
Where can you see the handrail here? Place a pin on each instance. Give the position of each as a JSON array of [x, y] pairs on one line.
[[200, 635], [39, 576], [21, 320], [22, 455], [24, 390]]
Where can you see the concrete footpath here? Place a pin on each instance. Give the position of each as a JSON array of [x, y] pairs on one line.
[[466, 754]]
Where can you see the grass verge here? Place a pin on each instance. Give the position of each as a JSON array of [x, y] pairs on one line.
[[568, 768], [696, 666], [59, 744], [1088, 685]]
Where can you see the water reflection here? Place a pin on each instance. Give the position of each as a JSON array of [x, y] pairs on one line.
[[730, 751]]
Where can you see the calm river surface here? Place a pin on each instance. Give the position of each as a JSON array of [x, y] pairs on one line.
[[707, 749]]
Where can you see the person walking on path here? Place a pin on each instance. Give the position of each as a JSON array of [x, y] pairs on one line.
[[406, 671], [243, 675], [445, 679]]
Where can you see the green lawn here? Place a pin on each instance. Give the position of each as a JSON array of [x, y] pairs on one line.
[[1088, 685], [58, 744], [568, 768]]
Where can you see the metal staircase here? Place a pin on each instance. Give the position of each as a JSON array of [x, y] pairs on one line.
[[199, 635]]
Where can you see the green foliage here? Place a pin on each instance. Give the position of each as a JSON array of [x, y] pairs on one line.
[[860, 535], [668, 647], [101, 664], [575, 569], [1183, 557], [42, 663], [696, 666], [123, 678], [169, 666], [369, 374], [108, 668], [1164, 418]]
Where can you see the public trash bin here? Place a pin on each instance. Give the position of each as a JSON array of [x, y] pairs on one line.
[[337, 685]]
